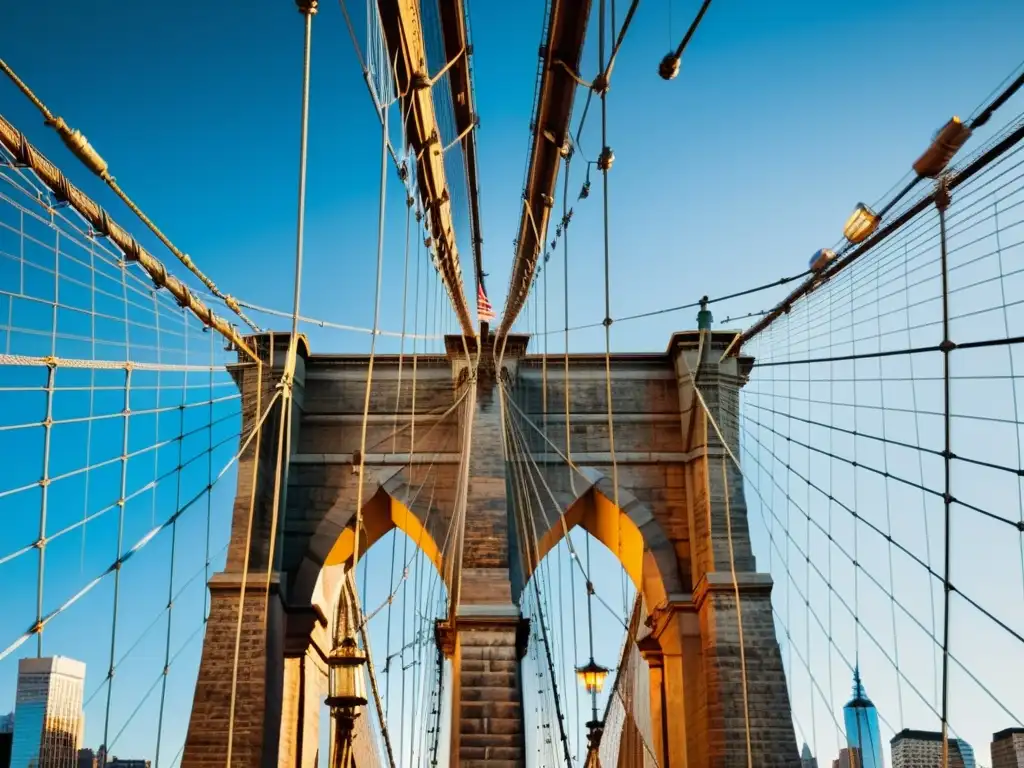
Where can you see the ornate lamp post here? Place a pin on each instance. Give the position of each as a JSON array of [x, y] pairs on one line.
[[593, 675], [347, 691]]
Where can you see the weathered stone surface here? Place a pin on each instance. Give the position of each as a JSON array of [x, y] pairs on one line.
[[490, 720], [677, 485]]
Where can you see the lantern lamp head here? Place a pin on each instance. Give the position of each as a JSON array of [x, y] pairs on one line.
[[592, 675], [346, 682], [947, 142], [821, 259], [862, 222], [669, 66]]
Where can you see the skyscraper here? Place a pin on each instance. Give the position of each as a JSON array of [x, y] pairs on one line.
[[922, 749], [807, 760], [6, 739], [967, 753], [48, 713], [1008, 748], [848, 758], [861, 719]]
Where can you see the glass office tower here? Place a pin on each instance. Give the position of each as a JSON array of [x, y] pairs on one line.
[[48, 713], [966, 753], [861, 720]]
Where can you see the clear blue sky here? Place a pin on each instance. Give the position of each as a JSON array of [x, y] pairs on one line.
[[783, 117]]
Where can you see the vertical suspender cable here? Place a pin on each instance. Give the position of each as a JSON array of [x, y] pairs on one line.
[[605, 165], [568, 429], [209, 483], [174, 541], [373, 349], [121, 501], [92, 380], [44, 485], [419, 560], [565, 306], [308, 9], [394, 444], [947, 346]]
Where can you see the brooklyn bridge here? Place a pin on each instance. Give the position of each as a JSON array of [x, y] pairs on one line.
[[466, 538]]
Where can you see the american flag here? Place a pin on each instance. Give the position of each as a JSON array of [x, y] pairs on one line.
[[484, 310]]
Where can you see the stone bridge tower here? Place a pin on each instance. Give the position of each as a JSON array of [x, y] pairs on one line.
[[680, 531]]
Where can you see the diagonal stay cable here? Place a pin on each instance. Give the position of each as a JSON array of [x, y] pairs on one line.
[[693, 304], [850, 556], [153, 624], [888, 538], [523, 450]]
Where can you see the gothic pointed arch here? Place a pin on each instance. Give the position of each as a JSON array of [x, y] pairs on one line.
[[390, 502], [630, 530]]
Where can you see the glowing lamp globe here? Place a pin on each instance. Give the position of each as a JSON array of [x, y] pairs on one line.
[[862, 222], [592, 676], [347, 686]]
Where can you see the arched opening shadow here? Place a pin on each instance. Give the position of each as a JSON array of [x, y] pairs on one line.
[[556, 597], [402, 594]]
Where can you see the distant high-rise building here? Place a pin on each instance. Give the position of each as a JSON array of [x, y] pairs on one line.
[[86, 758], [807, 760], [48, 713], [861, 719], [967, 753], [1008, 748], [923, 749], [6, 739], [848, 758]]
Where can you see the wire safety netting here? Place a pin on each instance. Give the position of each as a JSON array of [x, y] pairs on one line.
[[880, 444], [120, 427]]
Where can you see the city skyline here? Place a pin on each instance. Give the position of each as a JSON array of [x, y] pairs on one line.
[[910, 747]]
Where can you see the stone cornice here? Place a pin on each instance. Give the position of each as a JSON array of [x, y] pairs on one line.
[[722, 582], [479, 618], [231, 581]]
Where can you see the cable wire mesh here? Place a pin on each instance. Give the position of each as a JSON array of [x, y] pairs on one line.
[[120, 423], [881, 449]]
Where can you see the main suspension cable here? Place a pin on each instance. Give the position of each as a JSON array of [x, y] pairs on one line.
[[75, 141]]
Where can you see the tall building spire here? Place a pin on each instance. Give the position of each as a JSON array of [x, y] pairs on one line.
[[861, 721], [807, 760], [860, 696]]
